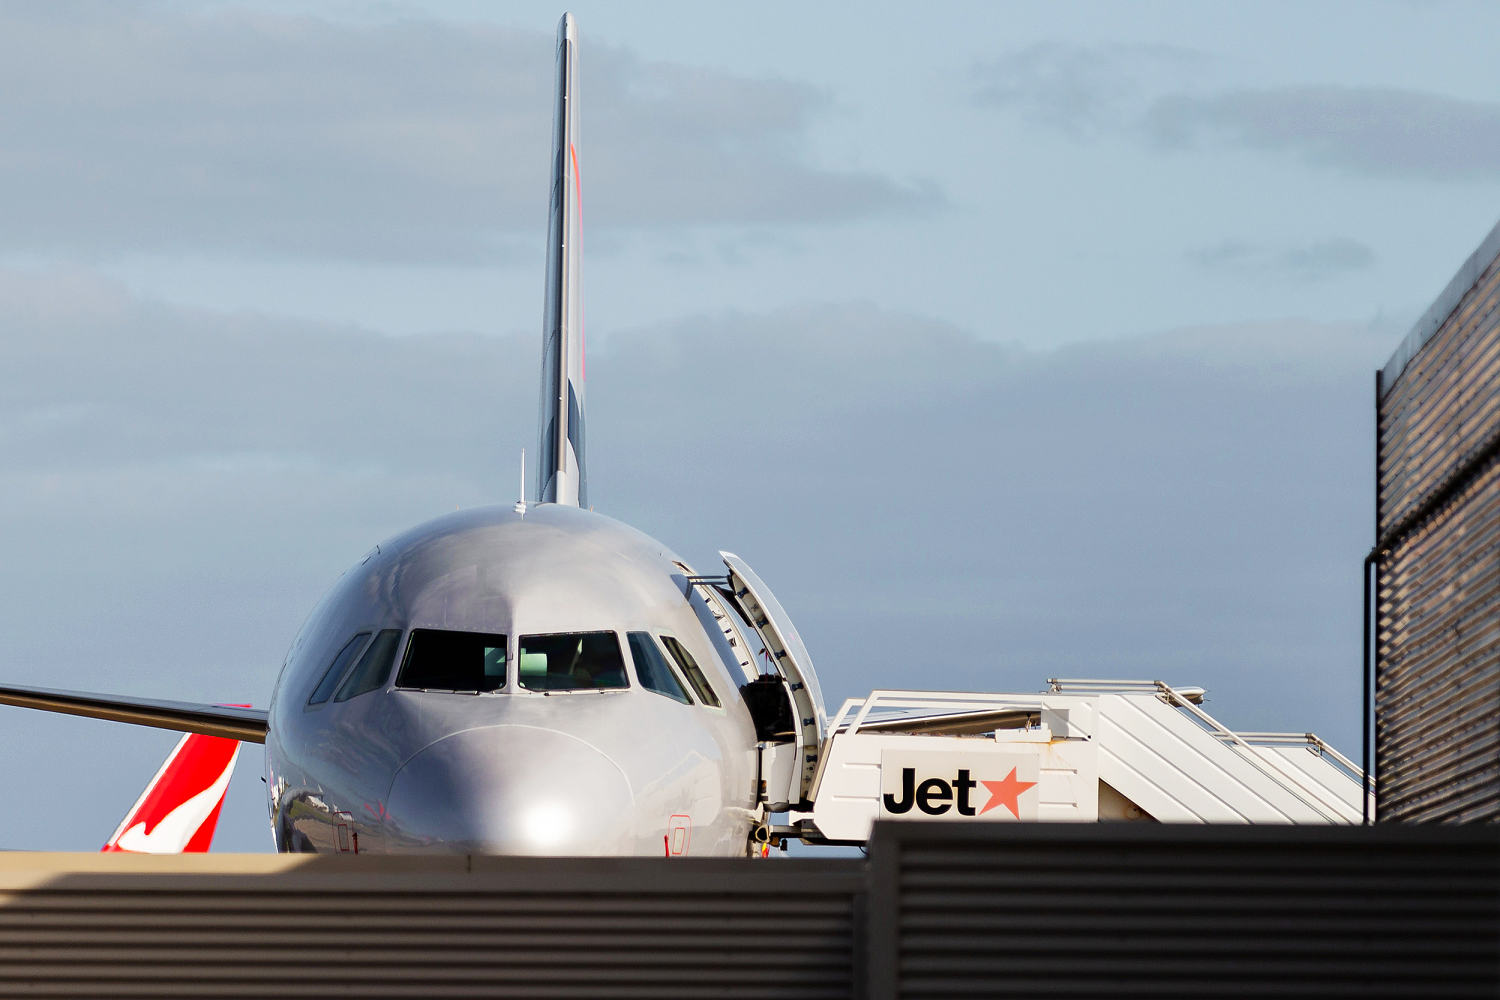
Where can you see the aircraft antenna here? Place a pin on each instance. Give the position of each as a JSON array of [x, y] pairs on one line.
[[521, 502]]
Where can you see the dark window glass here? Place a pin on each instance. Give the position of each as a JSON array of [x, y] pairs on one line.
[[440, 660], [335, 671], [690, 671], [572, 661], [373, 668], [652, 670]]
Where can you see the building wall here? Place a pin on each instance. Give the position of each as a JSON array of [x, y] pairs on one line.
[[1437, 644]]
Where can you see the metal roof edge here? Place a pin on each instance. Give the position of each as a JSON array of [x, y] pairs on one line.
[[1442, 307]]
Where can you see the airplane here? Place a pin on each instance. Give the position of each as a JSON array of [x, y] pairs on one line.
[[179, 809], [535, 678]]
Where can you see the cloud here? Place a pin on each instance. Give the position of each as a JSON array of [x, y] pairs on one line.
[[179, 486], [1309, 263], [1079, 90], [144, 128], [1363, 130], [1160, 95]]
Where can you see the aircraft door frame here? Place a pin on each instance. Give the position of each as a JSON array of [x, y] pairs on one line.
[[759, 608]]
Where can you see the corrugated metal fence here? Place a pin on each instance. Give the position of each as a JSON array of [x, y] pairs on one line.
[[1020, 910], [939, 910], [299, 926]]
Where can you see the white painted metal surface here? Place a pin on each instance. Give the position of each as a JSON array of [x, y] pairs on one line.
[[1317, 772], [1142, 748], [849, 797], [789, 657], [779, 768]]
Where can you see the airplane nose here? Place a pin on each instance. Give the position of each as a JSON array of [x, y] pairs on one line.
[[510, 789]]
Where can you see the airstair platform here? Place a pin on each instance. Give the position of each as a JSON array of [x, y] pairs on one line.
[[1083, 750]]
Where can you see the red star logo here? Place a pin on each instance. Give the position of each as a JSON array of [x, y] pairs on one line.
[[1006, 793]]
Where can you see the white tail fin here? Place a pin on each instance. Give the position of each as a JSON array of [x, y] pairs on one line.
[[560, 466], [180, 807]]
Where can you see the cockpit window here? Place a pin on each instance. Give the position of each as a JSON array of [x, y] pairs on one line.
[[440, 660], [652, 670], [375, 666], [572, 661], [335, 671], [690, 671]]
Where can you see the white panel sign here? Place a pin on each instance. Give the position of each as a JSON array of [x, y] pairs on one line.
[[948, 785]]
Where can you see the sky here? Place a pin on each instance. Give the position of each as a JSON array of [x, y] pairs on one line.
[[1006, 341]]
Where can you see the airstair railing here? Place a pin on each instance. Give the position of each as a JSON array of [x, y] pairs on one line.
[[1235, 741], [1187, 699], [1094, 686], [1316, 745], [1195, 695], [926, 701]]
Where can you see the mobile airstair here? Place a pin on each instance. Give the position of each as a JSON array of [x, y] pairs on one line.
[[1082, 750]]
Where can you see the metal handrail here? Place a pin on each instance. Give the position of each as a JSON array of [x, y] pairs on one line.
[[1317, 745], [1300, 791], [939, 700], [1188, 700], [1094, 686]]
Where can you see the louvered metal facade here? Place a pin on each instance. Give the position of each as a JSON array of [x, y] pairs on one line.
[[1019, 910], [269, 926], [1437, 559]]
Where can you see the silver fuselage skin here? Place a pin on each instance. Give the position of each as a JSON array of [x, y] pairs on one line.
[[512, 771]]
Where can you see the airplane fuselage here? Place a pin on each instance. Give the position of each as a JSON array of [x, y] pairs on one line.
[[529, 725]]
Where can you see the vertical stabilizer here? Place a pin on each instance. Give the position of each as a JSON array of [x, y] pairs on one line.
[[560, 468], [180, 807]]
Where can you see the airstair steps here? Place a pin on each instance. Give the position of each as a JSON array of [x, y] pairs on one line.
[[1167, 764]]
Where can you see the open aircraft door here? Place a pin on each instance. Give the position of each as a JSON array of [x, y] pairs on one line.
[[759, 607]]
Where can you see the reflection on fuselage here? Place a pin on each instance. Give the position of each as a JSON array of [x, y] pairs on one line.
[[528, 725]]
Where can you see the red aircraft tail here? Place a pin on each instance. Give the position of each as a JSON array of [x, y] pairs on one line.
[[180, 807]]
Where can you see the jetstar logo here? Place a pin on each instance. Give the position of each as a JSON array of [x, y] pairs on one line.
[[945, 785]]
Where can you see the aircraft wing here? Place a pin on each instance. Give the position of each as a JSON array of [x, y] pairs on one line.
[[246, 724]]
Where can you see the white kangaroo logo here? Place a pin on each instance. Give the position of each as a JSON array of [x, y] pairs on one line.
[[177, 827]]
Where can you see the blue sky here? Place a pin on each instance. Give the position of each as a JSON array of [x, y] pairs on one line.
[[1007, 341]]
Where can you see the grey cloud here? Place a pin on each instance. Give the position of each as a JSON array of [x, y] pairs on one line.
[[1312, 262], [179, 486], [140, 128], [1363, 130], [1158, 95], [1080, 90]]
